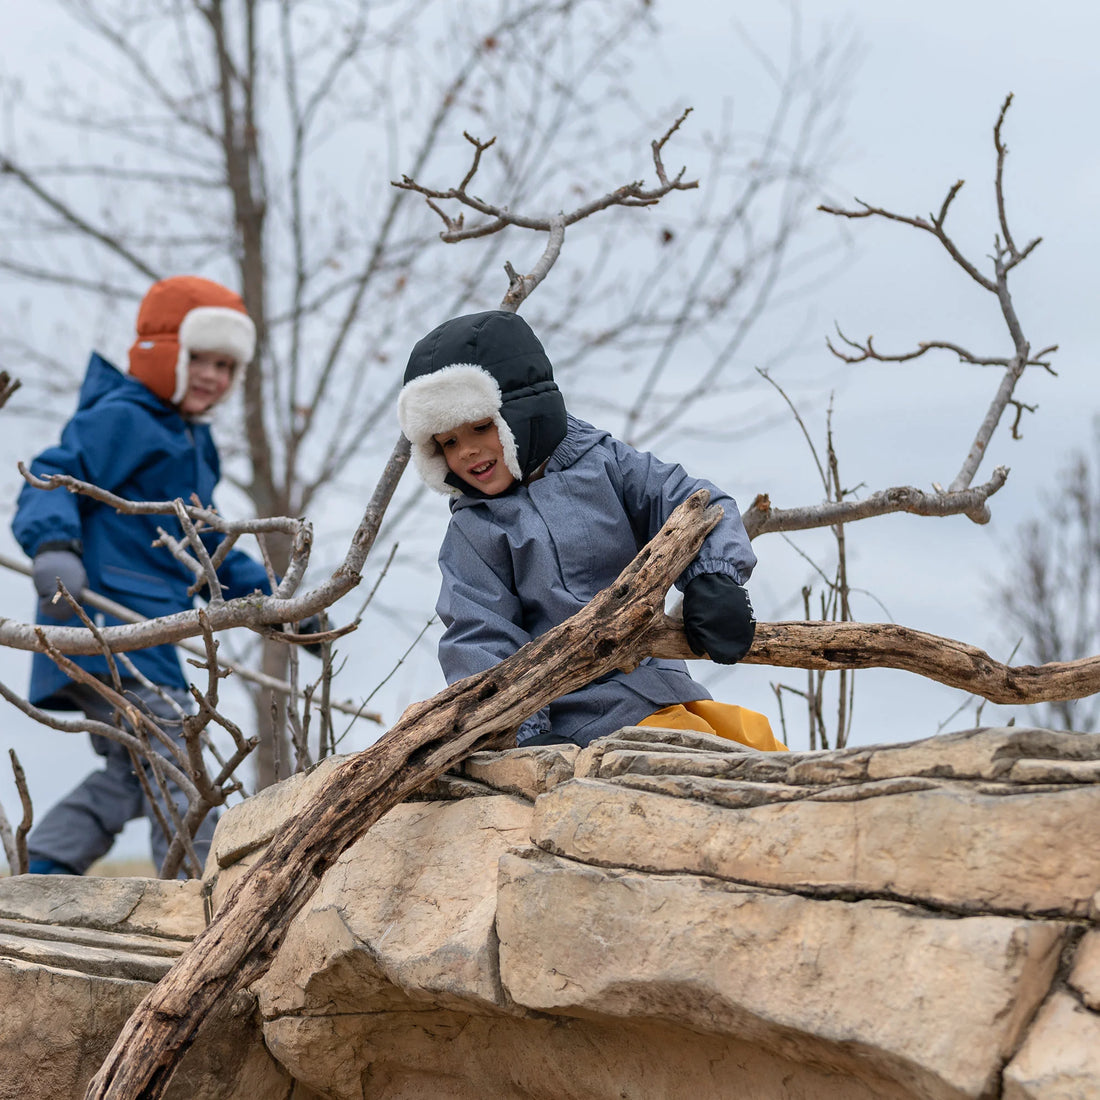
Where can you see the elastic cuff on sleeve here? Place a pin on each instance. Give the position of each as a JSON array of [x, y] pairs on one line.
[[73, 545], [708, 565]]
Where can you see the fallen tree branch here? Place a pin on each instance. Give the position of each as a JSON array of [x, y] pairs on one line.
[[836, 645], [479, 712]]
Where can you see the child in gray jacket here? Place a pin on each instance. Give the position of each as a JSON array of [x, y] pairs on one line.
[[546, 511]]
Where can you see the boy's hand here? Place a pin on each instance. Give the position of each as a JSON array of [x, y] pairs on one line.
[[718, 618], [51, 566]]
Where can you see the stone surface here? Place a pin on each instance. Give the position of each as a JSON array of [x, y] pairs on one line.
[[1061, 1058], [1085, 975], [362, 945], [251, 824], [77, 955], [434, 1055], [172, 910], [663, 913], [944, 846], [57, 1025], [524, 772], [791, 974]]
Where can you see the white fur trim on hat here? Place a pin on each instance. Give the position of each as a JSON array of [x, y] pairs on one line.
[[461, 393], [214, 328]]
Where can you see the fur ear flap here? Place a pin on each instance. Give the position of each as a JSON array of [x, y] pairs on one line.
[[437, 402], [461, 393]]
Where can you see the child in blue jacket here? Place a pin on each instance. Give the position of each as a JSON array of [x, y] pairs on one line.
[[141, 436], [546, 511]]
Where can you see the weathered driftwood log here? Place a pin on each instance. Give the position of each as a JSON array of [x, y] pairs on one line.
[[828, 645], [477, 713]]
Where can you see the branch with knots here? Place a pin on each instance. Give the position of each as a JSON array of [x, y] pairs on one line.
[[635, 193], [255, 612], [1006, 256]]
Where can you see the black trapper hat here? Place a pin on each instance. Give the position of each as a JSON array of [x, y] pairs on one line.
[[476, 367]]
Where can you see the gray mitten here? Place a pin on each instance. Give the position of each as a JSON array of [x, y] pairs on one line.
[[51, 566]]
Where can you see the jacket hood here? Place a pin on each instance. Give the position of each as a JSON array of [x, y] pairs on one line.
[[103, 380], [476, 367]]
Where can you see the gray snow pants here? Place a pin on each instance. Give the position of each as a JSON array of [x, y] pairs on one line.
[[83, 825]]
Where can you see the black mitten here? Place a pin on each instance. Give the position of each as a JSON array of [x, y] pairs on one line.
[[718, 618], [312, 625]]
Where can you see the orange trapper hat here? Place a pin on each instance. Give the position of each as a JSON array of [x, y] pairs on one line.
[[184, 314]]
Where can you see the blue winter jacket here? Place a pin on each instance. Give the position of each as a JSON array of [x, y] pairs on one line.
[[124, 439], [518, 564]]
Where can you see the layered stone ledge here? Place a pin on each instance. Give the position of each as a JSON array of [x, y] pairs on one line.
[[665, 914]]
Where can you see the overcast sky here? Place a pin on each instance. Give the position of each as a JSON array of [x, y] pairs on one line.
[[925, 95]]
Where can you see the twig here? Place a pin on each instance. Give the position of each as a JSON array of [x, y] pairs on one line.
[[15, 844]]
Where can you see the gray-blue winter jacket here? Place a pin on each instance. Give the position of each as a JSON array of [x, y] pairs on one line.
[[518, 564]]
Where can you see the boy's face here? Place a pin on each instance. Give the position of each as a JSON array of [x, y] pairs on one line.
[[208, 377], [473, 452]]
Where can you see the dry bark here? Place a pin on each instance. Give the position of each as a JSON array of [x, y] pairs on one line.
[[834, 645], [479, 712]]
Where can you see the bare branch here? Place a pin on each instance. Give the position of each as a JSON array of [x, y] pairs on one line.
[[8, 386], [932, 224], [1006, 257], [520, 286], [15, 843], [629, 194], [117, 611], [761, 518], [867, 351], [70, 217]]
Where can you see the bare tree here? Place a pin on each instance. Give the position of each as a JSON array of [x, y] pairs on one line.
[[1050, 595], [253, 140]]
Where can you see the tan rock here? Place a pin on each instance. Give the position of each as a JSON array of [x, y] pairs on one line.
[[142, 905], [48, 1051], [524, 772], [1001, 754], [947, 845], [251, 824], [89, 951], [434, 1055], [57, 1026], [408, 912], [1055, 771], [787, 973], [980, 754], [1060, 1060], [1085, 975]]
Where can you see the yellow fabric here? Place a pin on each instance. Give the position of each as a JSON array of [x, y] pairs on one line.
[[725, 719]]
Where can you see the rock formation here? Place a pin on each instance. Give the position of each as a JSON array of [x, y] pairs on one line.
[[663, 914]]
